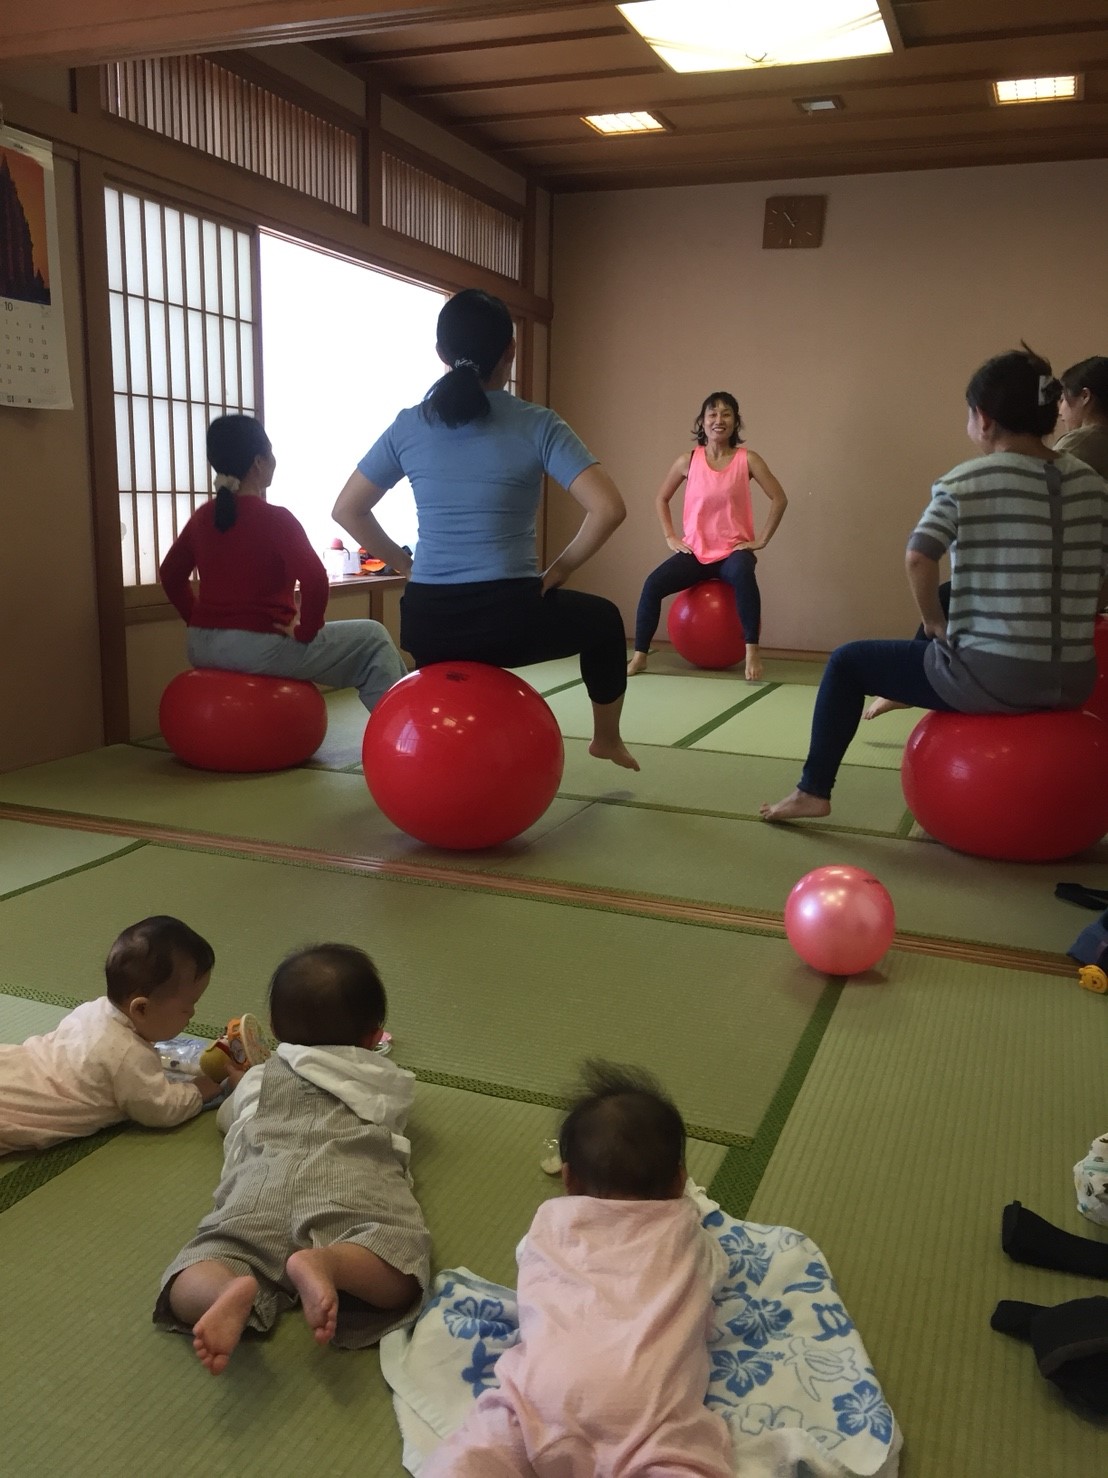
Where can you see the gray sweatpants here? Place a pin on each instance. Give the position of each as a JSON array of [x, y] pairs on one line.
[[343, 654]]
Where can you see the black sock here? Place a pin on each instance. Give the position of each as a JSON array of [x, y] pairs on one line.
[[1027, 1238], [1070, 1343]]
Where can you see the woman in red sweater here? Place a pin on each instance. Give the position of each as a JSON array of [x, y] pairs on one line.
[[250, 554]]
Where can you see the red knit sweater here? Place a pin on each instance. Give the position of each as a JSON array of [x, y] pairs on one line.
[[247, 573]]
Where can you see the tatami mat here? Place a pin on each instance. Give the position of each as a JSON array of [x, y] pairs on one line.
[[703, 780], [481, 987], [933, 1102], [30, 853], [657, 710], [77, 1309], [781, 725]]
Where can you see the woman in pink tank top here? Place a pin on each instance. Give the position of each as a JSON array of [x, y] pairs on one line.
[[717, 541]]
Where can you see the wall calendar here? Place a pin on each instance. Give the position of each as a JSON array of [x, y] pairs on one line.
[[34, 368]]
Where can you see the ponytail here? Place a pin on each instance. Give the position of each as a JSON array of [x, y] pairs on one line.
[[234, 444], [474, 331], [226, 504]]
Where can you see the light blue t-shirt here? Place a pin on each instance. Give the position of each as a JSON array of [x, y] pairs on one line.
[[477, 487]]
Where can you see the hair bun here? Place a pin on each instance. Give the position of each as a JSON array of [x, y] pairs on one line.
[[1050, 389]]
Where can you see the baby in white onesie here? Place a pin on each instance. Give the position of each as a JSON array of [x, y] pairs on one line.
[[99, 1065], [615, 1303]]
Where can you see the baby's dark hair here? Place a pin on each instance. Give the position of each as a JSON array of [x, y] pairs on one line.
[[623, 1137], [1091, 375], [327, 995], [143, 958], [1018, 391], [233, 444], [724, 397]]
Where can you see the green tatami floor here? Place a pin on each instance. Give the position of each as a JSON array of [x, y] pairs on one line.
[[891, 1118]]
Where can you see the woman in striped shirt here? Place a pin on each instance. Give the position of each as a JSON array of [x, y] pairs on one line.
[[1031, 526]]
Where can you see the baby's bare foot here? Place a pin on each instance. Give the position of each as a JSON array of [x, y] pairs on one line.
[[880, 706], [799, 806], [217, 1332], [618, 753], [319, 1297], [637, 664]]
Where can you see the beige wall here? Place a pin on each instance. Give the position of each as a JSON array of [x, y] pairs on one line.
[[50, 649], [849, 362]]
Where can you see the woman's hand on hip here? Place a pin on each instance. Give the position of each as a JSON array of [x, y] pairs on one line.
[[752, 546], [553, 578], [677, 545], [289, 628]]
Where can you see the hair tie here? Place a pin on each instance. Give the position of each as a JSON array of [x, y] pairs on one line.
[[467, 364], [225, 480], [1049, 389]]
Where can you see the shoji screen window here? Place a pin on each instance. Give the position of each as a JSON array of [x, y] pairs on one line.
[[182, 295]]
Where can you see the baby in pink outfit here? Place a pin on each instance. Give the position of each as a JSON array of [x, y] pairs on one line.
[[615, 1303]]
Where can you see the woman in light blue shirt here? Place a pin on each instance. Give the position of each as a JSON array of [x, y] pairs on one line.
[[476, 456]]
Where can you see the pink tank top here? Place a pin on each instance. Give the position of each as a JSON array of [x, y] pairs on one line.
[[717, 513]]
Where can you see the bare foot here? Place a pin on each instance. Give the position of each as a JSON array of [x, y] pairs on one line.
[[799, 806], [618, 753], [319, 1297], [880, 706], [217, 1332], [637, 664], [754, 670]]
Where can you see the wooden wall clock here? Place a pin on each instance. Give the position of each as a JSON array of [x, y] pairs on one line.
[[794, 220]]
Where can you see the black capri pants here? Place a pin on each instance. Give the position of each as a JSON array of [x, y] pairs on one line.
[[510, 623]]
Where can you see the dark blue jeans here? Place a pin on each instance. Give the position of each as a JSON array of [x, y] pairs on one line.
[[891, 669], [682, 572]]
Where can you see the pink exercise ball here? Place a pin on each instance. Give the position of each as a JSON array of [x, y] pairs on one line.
[[1024, 788], [241, 722], [840, 919], [462, 755], [1098, 701], [704, 625]]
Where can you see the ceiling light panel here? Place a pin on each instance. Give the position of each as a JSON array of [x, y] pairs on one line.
[[611, 124], [1036, 90], [744, 35]]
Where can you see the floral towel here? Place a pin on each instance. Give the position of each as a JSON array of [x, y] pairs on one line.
[[1091, 1178], [789, 1371]]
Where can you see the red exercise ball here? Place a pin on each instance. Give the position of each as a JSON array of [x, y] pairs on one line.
[[239, 721], [704, 625], [462, 755], [840, 920], [1098, 701], [1026, 788]]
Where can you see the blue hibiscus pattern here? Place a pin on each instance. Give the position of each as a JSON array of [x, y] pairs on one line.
[[484, 1319], [760, 1320], [739, 1371], [864, 1410], [749, 1259], [479, 1375]]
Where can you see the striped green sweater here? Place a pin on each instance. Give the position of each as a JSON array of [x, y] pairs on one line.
[[1030, 561]]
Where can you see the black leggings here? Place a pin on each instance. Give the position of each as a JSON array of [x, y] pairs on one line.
[[683, 571], [510, 623]]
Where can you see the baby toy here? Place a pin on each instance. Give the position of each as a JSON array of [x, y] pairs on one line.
[[241, 1045]]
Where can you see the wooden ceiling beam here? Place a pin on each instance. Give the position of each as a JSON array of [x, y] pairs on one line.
[[501, 43], [1093, 116], [759, 86], [925, 154], [58, 32]]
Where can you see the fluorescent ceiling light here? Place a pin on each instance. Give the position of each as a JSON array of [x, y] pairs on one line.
[[1035, 89], [819, 105], [737, 35], [613, 123]]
